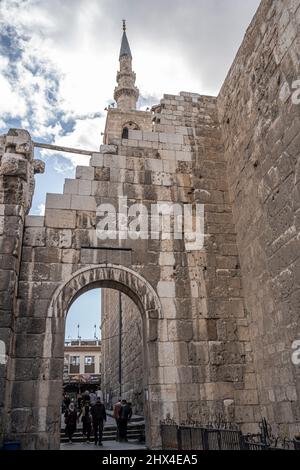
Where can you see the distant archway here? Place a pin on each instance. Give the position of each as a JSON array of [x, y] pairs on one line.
[[129, 126]]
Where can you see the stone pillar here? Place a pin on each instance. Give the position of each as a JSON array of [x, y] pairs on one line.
[[17, 169]]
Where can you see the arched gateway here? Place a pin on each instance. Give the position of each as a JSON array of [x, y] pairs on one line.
[[110, 276]]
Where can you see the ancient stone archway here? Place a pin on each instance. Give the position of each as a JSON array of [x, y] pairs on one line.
[[109, 276]]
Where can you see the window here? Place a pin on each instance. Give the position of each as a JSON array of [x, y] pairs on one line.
[[75, 360], [89, 364], [125, 133], [74, 364], [88, 360]]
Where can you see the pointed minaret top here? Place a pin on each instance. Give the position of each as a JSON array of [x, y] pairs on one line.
[[125, 49]]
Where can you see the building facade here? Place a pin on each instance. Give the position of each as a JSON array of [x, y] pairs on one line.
[[82, 362], [220, 323]]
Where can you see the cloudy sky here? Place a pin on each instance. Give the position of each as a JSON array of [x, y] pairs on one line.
[[59, 58]]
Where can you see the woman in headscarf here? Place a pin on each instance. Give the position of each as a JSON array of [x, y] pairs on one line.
[[70, 421]]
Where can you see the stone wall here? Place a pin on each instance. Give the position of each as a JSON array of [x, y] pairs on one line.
[[132, 370], [260, 121], [17, 169], [218, 351]]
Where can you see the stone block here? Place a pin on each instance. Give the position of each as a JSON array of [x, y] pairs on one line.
[[101, 174], [246, 397], [58, 201], [59, 218], [135, 135], [83, 203], [115, 161], [180, 330], [183, 156], [34, 236], [171, 138], [84, 188], [166, 354], [59, 238], [167, 259], [152, 164], [198, 353], [97, 160], [47, 255], [166, 289], [170, 375], [71, 186], [85, 172], [34, 221], [150, 136], [168, 307], [188, 393], [111, 149]]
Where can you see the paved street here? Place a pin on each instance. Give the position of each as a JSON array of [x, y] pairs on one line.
[[107, 445]]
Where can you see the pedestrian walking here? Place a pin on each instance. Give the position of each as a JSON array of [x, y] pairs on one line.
[[125, 415], [116, 415], [99, 416], [93, 398], [86, 420], [70, 421]]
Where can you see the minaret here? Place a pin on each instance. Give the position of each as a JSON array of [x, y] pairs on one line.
[[126, 93]]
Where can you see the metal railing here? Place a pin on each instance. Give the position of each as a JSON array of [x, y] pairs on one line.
[[220, 436]]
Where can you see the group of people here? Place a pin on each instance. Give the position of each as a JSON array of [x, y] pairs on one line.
[[80, 398], [122, 413], [90, 410]]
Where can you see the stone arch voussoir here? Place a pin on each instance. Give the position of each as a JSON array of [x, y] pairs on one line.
[[106, 275]]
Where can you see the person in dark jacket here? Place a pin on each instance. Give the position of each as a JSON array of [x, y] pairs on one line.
[[98, 415], [125, 415], [67, 402], [116, 415], [86, 421], [70, 421]]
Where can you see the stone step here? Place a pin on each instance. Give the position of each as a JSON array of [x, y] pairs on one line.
[[112, 433], [134, 433], [78, 439], [130, 427]]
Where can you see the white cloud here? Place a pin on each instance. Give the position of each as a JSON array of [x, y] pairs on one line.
[[69, 57], [41, 209], [86, 136], [11, 104]]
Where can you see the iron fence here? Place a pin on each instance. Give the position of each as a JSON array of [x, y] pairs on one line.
[[195, 436]]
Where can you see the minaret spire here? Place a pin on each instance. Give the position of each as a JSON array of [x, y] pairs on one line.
[[126, 93]]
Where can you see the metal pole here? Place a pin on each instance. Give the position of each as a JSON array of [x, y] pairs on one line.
[[59, 148], [120, 344]]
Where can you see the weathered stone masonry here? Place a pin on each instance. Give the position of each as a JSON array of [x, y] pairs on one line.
[[261, 135], [217, 323]]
